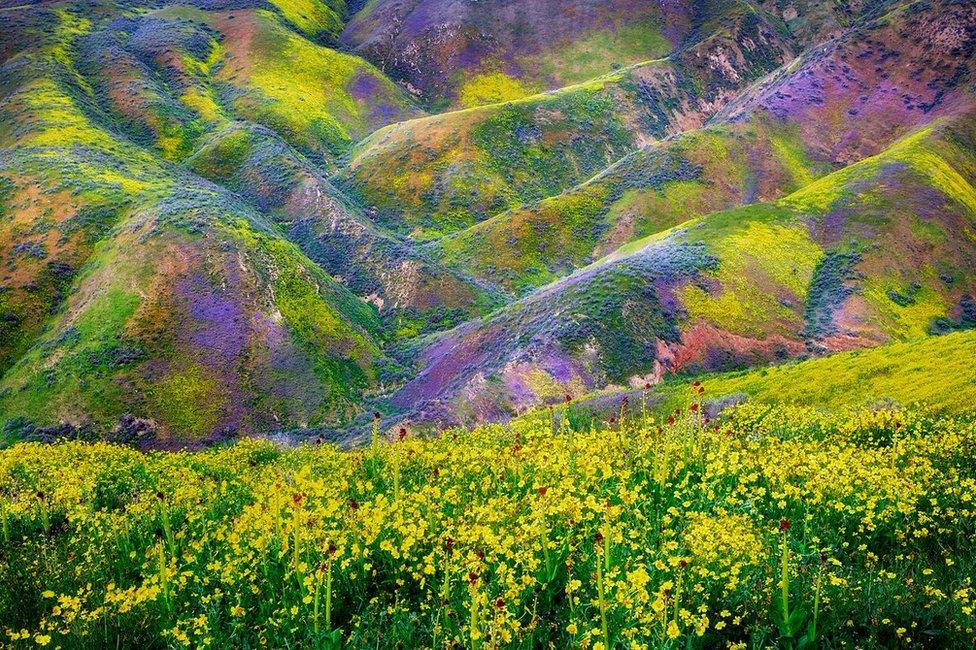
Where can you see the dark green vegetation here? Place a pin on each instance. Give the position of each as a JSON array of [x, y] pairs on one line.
[[221, 219]]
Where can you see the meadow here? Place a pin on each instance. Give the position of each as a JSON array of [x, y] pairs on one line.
[[773, 526]]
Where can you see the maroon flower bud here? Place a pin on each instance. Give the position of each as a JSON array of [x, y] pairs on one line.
[[500, 603], [683, 564], [376, 415], [472, 577], [598, 538], [480, 554], [693, 408], [353, 504], [332, 549], [542, 491], [297, 499], [568, 398], [449, 545], [784, 525]]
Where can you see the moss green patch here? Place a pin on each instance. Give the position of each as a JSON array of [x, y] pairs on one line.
[[491, 88], [189, 402], [764, 271], [314, 17]]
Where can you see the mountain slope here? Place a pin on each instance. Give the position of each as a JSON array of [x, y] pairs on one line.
[[881, 250], [442, 173], [135, 288], [484, 52], [757, 150], [216, 219]]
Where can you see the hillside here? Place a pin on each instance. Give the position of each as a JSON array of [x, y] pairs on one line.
[[828, 108], [273, 218], [878, 251], [932, 373]]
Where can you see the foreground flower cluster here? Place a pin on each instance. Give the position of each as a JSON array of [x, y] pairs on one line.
[[778, 527]]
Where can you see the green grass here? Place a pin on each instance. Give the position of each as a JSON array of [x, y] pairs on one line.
[[936, 371]]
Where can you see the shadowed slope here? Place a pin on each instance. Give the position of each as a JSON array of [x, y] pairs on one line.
[[413, 292]]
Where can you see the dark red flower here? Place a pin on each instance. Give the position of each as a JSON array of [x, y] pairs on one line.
[[472, 577], [598, 537], [568, 398], [376, 415], [784, 525], [332, 549], [353, 504], [683, 564], [693, 408], [449, 545], [403, 433], [671, 420], [500, 603], [542, 491]]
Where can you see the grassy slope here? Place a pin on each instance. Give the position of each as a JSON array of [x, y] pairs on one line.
[[465, 55], [446, 172], [173, 294], [173, 74], [834, 105], [414, 292], [929, 373], [651, 190], [879, 251]]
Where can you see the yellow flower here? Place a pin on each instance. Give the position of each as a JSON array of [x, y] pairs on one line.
[[42, 639], [673, 631]]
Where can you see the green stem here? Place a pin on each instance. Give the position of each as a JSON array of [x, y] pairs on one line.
[[602, 593], [785, 578], [315, 603], [816, 604], [475, 622], [328, 595]]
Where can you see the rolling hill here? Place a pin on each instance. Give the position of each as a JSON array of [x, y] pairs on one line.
[[223, 218]]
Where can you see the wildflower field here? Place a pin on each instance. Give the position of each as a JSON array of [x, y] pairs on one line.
[[773, 527]]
